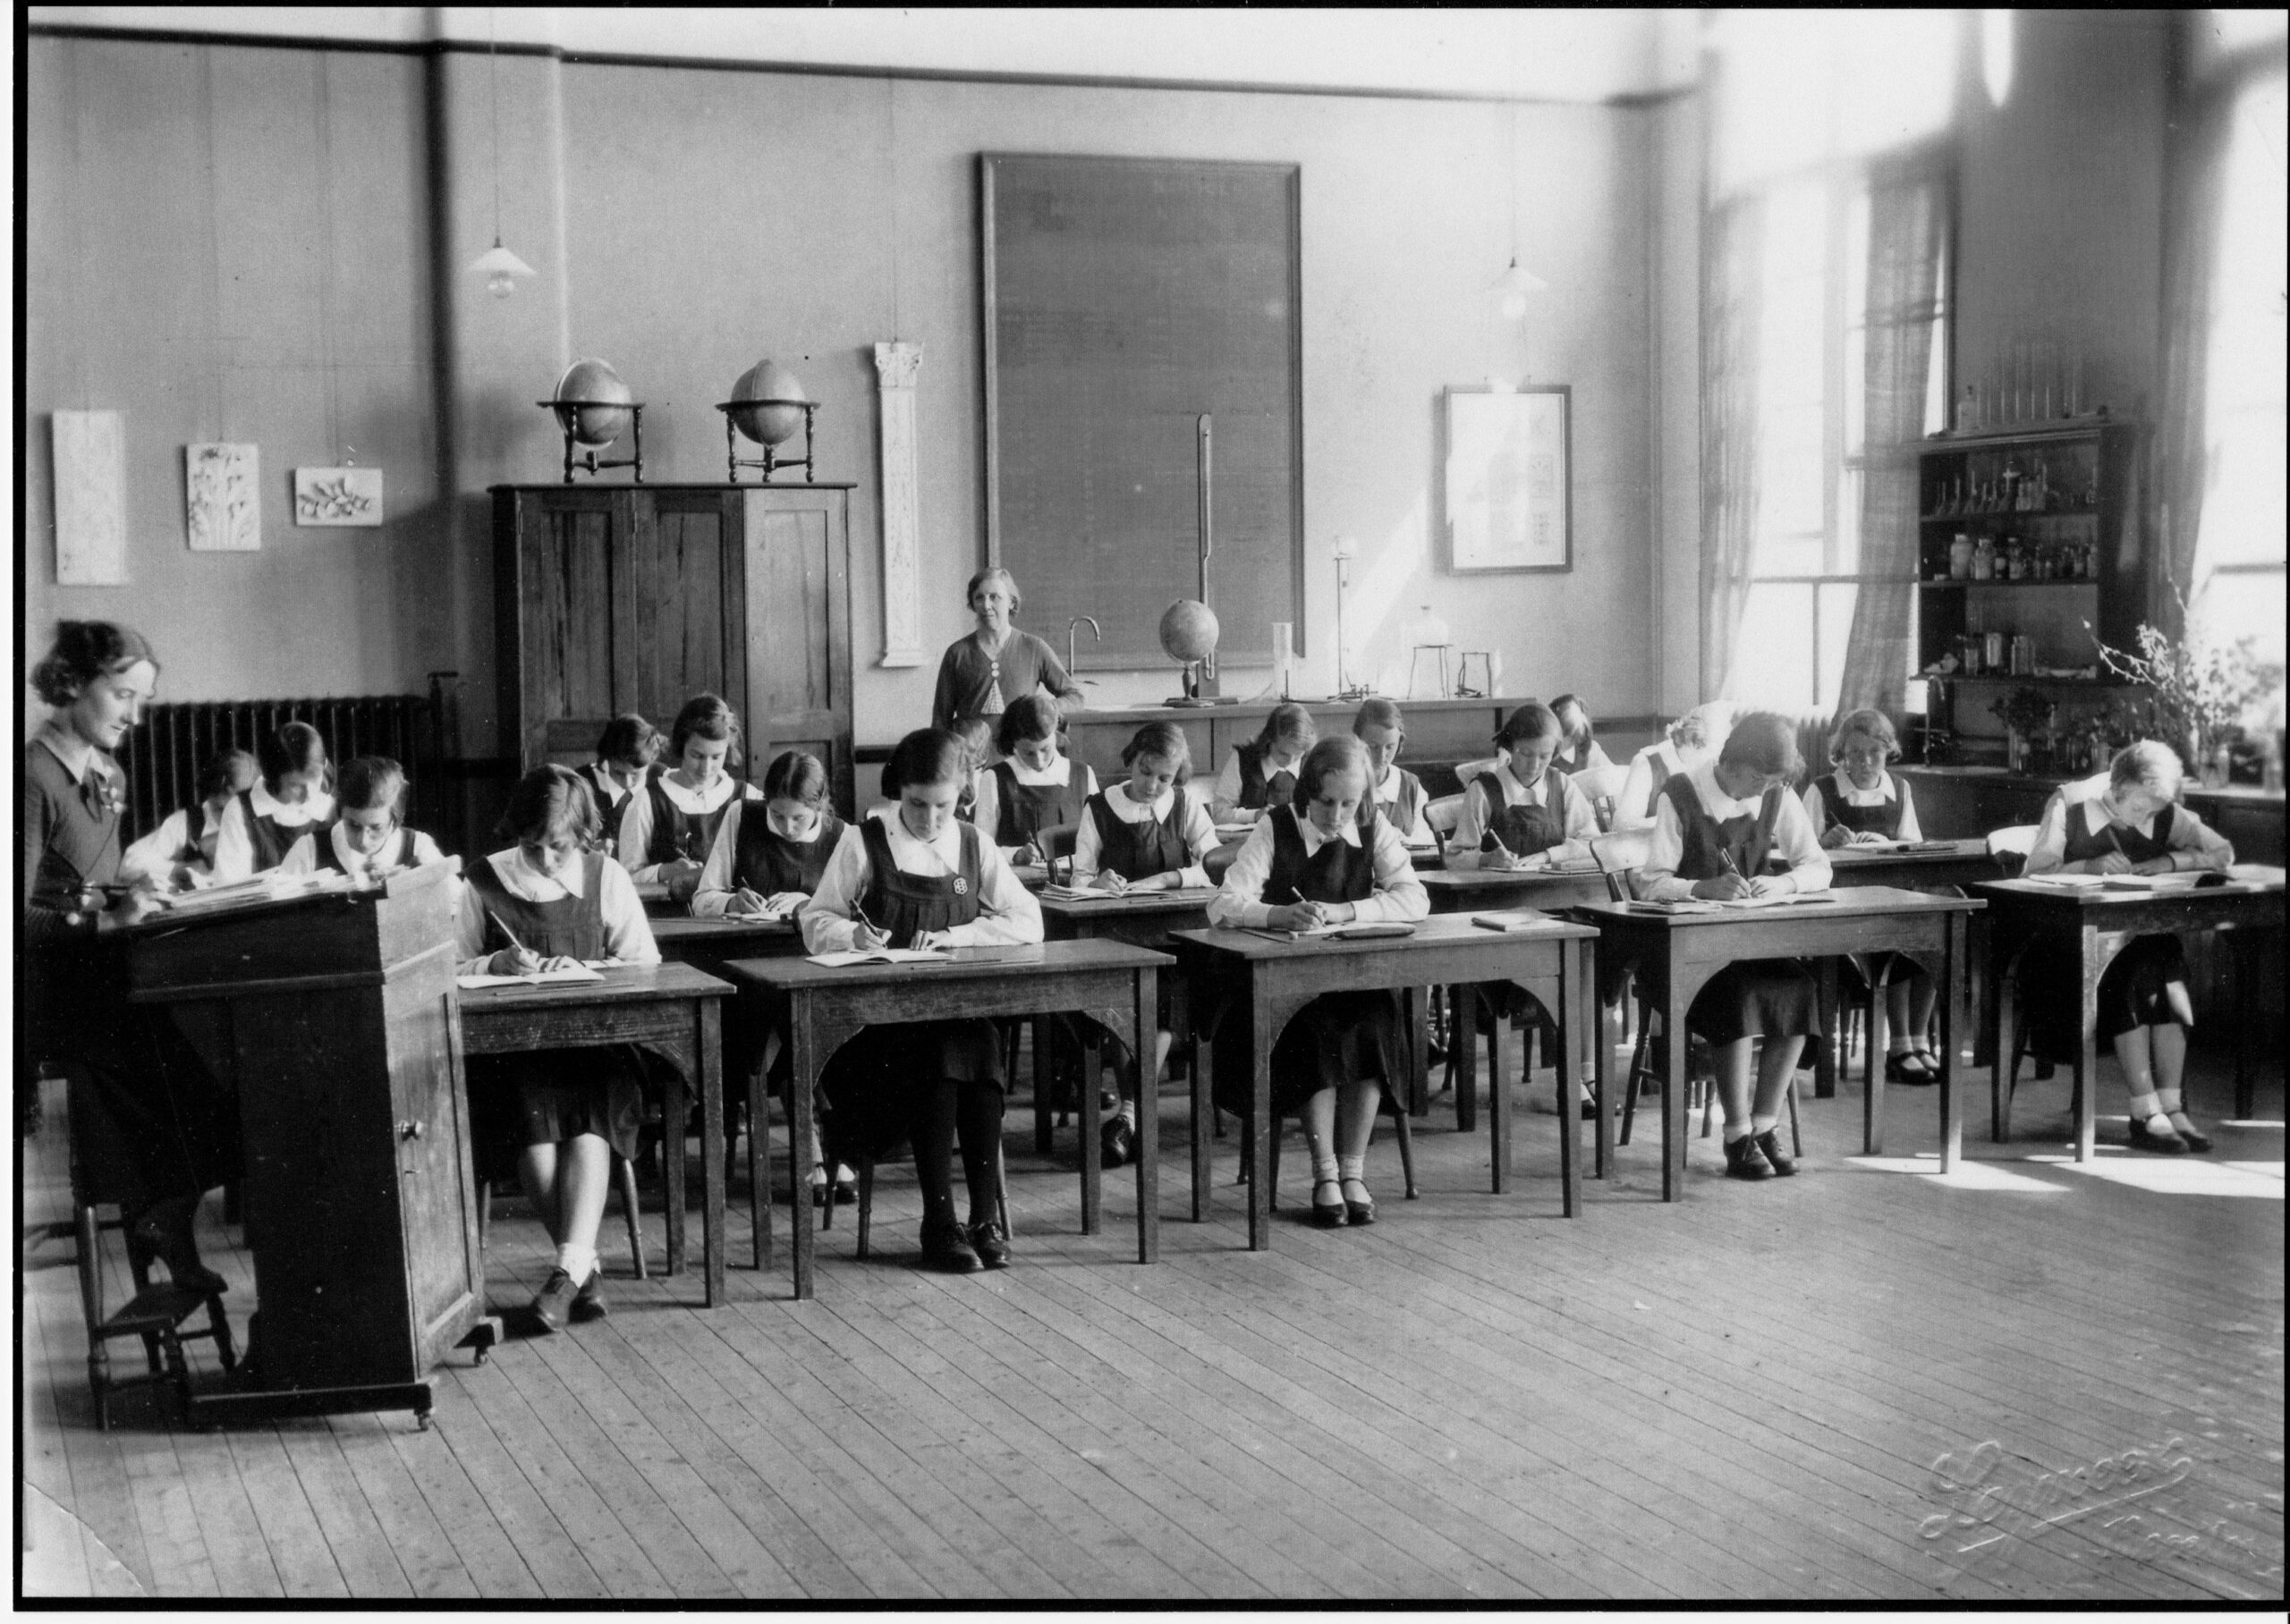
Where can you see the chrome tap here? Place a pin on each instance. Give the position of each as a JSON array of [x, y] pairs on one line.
[[1072, 638]]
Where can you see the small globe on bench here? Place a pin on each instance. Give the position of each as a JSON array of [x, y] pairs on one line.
[[1189, 633]]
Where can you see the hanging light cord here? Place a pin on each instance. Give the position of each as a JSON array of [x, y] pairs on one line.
[[493, 58]]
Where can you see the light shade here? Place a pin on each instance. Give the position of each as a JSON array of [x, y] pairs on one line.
[[1513, 286], [500, 268]]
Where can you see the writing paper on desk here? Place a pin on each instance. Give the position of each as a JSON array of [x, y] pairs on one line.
[[1511, 920], [273, 887], [881, 955], [579, 972], [1354, 932], [2185, 881], [1699, 905]]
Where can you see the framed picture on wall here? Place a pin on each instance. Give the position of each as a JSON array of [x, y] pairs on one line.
[[1508, 479]]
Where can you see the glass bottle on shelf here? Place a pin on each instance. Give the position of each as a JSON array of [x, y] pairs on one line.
[[1960, 552], [1983, 559], [2011, 484], [2015, 559]]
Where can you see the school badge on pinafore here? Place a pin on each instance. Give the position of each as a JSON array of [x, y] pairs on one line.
[[962, 886]]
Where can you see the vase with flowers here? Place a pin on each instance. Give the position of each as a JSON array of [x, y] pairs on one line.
[[2197, 690], [2026, 713]]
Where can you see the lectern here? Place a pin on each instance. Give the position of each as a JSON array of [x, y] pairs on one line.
[[334, 1016]]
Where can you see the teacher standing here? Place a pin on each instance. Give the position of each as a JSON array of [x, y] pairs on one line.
[[982, 672]]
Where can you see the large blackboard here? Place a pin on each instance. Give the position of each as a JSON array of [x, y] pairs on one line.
[[1125, 298]]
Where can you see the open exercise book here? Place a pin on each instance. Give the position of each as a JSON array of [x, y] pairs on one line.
[[1701, 905], [1084, 893], [271, 887], [1353, 932], [590, 971], [1511, 920], [880, 955]]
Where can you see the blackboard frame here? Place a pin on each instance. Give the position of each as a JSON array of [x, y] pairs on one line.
[[1123, 653]]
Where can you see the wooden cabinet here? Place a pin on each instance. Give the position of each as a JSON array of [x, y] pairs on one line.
[[611, 598]]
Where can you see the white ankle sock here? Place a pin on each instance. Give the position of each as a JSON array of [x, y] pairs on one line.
[[1737, 1131], [1324, 1167], [1351, 1167], [1763, 1124], [1128, 1113], [1900, 1045], [2169, 1101], [2142, 1106], [577, 1261]]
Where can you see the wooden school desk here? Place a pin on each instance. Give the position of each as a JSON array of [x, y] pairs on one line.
[[2100, 923], [710, 944], [818, 1009], [1675, 955], [1270, 979], [672, 1007], [1142, 919]]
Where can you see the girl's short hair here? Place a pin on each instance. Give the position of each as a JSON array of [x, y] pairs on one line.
[[1377, 713], [1164, 742], [221, 773], [1703, 724], [294, 747], [927, 755], [1337, 753], [1532, 721], [1288, 720], [84, 650], [705, 716], [1009, 581], [2149, 764], [1558, 709], [1764, 742], [1034, 715], [371, 780], [796, 775], [1871, 724], [628, 737], [551, 801]]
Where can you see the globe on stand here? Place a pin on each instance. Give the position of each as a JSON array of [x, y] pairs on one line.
[[767, 405], [1189, 631], [594, 409]]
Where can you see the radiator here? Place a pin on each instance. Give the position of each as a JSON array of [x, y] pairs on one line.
[[162, 757]]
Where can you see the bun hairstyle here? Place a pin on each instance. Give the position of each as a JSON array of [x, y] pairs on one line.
[[550, 802], [1764, 742], [1009, 584], [1532, 721], [927, 755], [796, 775], [84, 650], [1164, 742], [2149, 764], [1703, 725], [1558, 708], [705, 716], [368, 781], [1871, 724], [1337, 753], [628, 737], [1378, 713], [220, 775], [294, 747], [1034, 717], [1288, 720]]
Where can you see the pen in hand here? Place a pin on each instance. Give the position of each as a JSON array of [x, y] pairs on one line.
[[508, 935]]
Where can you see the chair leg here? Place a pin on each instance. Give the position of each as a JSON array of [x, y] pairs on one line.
[[483, 1211], [1278, 1126], [625, 1172], [826, 1210], [1796, 1139], [1639, 1068], [1406, 1146], [1002, 1187], [866, 1202], [219, 1324]]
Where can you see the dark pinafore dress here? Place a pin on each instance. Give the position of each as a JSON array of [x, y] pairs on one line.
[[1338, 1036], [767, 864], [553, 1094], [1527, 828], [1139, 851], [1023, 811], [272, 839], [1771, 997], [676, 833], [865, 1095], [398, 854], [1406, 809], [611, 799], [1662, 766], [2133, 989], [1259, 790], [149, 1122], [1883, 818]]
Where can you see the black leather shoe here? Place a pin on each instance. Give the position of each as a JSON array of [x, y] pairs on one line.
[[1768, 1145], [1330, 1216], [1744, 1160], [2143, 1137], [2194, 1138], [992, 1246], [947, 1248], [1116, 1142], [553, 1305], [1358, 1211], [588, 1301]]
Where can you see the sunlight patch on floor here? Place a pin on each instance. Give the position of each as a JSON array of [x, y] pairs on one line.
[[1968, 1175], [2176, 1175]]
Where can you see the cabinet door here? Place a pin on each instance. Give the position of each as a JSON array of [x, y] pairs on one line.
[[688, 597], [799, 630], [569, 626], [436, 1167]]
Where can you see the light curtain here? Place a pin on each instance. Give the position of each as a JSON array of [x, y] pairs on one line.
[[1733, 259], [2195, 196]]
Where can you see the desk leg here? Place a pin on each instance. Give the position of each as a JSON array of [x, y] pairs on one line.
[[674, 1112], [759, 1163], [2087, 1073], [1416, 1004], [1202, 1105], [1088, 1116], [711, 1148], [1149, 1125], [1041, 1087], [1572, 968], [2245, 945], [1997, 1017], [1876, 1036], [1954, 974], [1602, 1043], [804, 1069], [1673, 1076], [1463, 1043], [1825, 1058], [1499, 1089], [1261, 1123]]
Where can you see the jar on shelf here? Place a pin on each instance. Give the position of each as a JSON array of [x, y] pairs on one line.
[[1983, 559], [1960, 552]]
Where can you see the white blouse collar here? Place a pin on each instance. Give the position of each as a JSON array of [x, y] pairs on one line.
[[699, 800], [1855, 797], [1059, 771], [523, 880], [1348, 831], [315, 808]]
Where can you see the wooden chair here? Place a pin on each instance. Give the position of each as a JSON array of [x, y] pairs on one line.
[[1389, 1104], [866, 1164], [623, 1179], [156, 1313], [2010, 847]]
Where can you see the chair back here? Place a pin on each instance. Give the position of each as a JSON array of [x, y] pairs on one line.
[[1468, 772], [1441, 816], [1057, 841], [1620, 855], [2010, 846], [1603, 786]]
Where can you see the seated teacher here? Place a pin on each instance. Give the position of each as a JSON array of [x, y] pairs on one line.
[[984, 671]]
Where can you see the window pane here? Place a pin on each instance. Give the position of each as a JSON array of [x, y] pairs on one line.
[[1773, 662], [1837, 599], [2243, 604], [2243, 512], [1790, 473], [1845, 556]]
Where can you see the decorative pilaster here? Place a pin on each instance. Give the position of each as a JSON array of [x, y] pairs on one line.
[[896, 366]]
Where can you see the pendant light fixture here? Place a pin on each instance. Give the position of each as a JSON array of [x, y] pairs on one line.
[[1510, 289], [497, 265]]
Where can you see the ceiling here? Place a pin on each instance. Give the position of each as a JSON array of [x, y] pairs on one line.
[[1576, 54]]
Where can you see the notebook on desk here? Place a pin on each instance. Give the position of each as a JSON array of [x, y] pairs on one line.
[[880, 955]]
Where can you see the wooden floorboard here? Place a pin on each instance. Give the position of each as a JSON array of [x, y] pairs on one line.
[[1741, 1398]]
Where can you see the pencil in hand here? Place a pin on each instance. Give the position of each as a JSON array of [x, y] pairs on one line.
[[507, 934]]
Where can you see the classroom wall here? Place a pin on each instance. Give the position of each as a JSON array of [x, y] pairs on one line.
[[315, 210]]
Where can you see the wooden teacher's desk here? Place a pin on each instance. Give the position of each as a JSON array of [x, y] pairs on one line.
[[1675, 955], [2099, 923], [1268, 980], [671, 1007], [819, 1008]]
